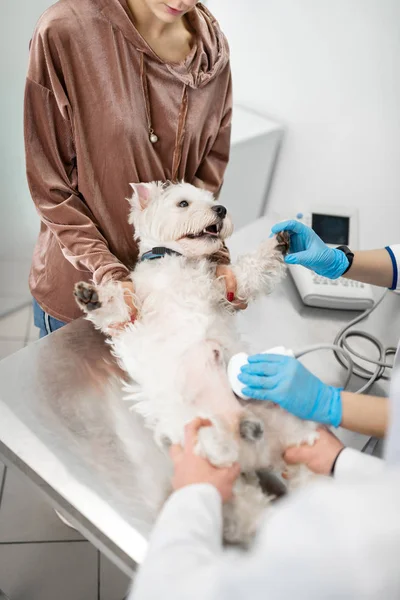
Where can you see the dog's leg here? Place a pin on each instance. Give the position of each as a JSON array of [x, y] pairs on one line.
[[243, 514], [104, 305], [261, 271], [297, 476]]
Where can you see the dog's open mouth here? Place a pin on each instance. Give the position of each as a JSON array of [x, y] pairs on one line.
[[210, 231]]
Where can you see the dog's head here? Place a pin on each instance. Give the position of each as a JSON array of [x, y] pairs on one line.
[[180, 216]]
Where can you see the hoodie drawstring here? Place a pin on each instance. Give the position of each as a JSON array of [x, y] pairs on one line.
[[181, 129], [180, 134], [145, 90]]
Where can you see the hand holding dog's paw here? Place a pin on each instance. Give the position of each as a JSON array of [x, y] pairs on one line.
[[319, 457], [231, 286], [307, 249], [191, 469]]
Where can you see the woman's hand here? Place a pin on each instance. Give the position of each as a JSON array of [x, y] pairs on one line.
[[129, 294], [231, 286], [320, 457], [221, 271], [307, 249], [285, 381], [190, 469]]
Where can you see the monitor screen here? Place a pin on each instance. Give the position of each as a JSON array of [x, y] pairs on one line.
[[332, 229]]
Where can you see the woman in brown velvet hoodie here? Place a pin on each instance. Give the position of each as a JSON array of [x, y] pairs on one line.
[[117, 91]]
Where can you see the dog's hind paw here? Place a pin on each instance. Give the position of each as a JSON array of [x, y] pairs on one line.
[[251, 430], [86, 296]]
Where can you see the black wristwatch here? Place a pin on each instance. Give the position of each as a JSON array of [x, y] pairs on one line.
[[349, 254]]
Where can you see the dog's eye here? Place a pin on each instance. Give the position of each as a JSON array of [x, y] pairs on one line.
[[183, 204]]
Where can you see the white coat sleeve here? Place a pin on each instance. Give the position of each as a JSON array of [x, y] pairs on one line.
[[184, 545], [394, 253], [331, 540], [351, 464]]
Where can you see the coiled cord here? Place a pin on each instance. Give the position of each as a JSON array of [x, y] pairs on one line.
[[346, 355]]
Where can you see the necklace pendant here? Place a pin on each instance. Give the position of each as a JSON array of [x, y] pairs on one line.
[[153, 137]]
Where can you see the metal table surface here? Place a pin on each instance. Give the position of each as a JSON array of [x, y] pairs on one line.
[[63, 422]]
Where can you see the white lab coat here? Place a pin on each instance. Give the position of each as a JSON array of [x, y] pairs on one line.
[[352, 463]]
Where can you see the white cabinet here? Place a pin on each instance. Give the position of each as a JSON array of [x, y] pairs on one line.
[[255, 147]]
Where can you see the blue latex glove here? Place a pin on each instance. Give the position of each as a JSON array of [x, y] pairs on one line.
[[307, 249], [285, 381]]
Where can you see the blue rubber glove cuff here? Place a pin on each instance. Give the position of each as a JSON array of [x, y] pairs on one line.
[[339, 265], [333, 413], [332, 266]]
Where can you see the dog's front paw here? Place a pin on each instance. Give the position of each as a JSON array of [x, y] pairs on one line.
[[86, 296], [283, 242]]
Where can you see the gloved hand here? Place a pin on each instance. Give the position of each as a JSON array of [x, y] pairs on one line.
[[307, 249], [285, 381]]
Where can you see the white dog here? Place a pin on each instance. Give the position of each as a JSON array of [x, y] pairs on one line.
[[177, 350]]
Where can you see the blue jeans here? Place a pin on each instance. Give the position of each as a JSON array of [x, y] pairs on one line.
[[43, 321]]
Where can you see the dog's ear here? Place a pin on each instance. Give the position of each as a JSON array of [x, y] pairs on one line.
[[141, 195], [166, 184]]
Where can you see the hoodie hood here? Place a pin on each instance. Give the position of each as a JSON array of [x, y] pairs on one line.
[[208, 56]]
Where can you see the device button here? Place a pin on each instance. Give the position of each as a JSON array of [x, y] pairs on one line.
[[318, 280]]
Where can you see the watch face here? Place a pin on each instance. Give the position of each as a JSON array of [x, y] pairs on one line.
[[332, 229]]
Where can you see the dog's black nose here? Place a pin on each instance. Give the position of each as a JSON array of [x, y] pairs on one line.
[[220, 210]]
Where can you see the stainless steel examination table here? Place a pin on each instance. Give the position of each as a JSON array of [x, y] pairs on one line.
[[64, 425]]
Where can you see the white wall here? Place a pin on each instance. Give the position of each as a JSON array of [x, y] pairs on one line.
[[330, 70], [18, 219]]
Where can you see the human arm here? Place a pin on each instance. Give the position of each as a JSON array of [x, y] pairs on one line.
[[51, 163], [372, 266], [285, 381], [365, 414], [377, 267]]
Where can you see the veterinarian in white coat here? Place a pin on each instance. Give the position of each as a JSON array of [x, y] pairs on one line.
[[334, 539], [285, 381]]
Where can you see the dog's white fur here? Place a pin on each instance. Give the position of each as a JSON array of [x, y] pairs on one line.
[[177, 350]]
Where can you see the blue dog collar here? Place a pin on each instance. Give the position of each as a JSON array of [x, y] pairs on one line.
[[158, 252]]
